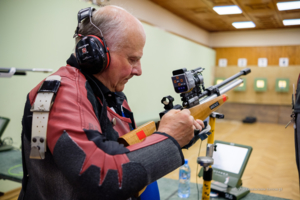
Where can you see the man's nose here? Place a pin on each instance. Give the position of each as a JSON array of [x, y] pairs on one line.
[[137, 70]]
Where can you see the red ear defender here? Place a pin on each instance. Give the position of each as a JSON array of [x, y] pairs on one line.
[[108, 58], [92, 54], [102, 41]]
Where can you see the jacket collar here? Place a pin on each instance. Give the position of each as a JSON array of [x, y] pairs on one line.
[[117, 97]]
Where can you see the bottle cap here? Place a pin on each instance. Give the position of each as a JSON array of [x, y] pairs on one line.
[[186, 161]]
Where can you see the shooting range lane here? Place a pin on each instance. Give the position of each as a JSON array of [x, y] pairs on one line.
[[271, 169]]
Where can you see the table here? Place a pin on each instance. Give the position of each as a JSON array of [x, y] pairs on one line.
[[11, 165], [168, 191]]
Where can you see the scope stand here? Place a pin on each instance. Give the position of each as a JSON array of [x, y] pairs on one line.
[[228, 192], [207, 161]]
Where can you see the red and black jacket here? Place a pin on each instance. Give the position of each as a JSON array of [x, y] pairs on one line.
[[83, 159]]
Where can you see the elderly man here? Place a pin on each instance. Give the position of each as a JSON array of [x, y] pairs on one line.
[[82, 159]]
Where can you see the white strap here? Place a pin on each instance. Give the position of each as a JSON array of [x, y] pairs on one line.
[[41, 108]]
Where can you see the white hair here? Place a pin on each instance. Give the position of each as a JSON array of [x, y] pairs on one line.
[[111, 24]]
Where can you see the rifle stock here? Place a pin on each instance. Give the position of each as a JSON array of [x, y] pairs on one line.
[[201, 111], [137, 135]]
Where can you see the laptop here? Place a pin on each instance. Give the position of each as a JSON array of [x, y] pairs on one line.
[[3, 124]]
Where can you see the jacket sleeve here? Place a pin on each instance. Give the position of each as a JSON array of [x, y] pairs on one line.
[[95, 166]]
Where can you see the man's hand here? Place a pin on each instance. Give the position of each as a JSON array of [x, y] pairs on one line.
[[180, 125]]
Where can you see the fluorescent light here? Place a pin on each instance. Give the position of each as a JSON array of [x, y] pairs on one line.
[[247, 24], [290, 5], [289, 22], [227, 10]]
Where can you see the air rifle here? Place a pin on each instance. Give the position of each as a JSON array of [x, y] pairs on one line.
[[9, 72], [199, 100]]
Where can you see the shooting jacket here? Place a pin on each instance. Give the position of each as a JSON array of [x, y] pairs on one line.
[[83, 158]]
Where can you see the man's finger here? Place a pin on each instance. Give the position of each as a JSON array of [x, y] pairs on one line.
[[197, 125], [172, 112], [200, 122], [186, 111]]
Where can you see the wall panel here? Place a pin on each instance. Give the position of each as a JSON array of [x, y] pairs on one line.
[[270, 96], [277, 114], [255, 38], [272, 53]]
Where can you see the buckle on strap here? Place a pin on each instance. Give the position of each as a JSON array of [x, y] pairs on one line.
[[41, 108]]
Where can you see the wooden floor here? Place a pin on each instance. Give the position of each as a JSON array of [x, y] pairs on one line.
[[11, 195], [272, 164]]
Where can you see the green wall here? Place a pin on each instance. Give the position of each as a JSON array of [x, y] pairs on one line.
[[38, 34], [34, 34]]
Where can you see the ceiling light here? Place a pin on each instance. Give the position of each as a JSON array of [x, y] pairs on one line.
[[289, 22], [291, 5], [227, 10], [248, 24]]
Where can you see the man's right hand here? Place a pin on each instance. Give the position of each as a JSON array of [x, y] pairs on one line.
[[180, 125]]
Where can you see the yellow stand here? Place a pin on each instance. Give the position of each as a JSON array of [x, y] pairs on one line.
[[210, 140], [211, 137], [207, 161]]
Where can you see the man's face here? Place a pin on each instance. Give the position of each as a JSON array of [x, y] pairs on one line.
[[125, 62]]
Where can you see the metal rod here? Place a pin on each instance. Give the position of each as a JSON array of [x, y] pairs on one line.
[[222, 90], [242, 72], [23, 70], [198, 70], [230, 79]]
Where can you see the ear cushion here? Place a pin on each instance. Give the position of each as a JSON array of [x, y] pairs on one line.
[[91, 54], [107, 50]]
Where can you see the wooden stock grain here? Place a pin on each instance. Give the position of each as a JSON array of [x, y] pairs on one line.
[[201, 111], [137, 134]]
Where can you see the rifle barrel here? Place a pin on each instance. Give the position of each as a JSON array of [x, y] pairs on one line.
[[222, 90], [226, 81], [242, 72]]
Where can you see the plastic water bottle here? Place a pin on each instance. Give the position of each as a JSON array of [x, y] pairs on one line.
[[184, 180]]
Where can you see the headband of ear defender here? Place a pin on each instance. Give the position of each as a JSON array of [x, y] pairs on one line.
[[92, 54]]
